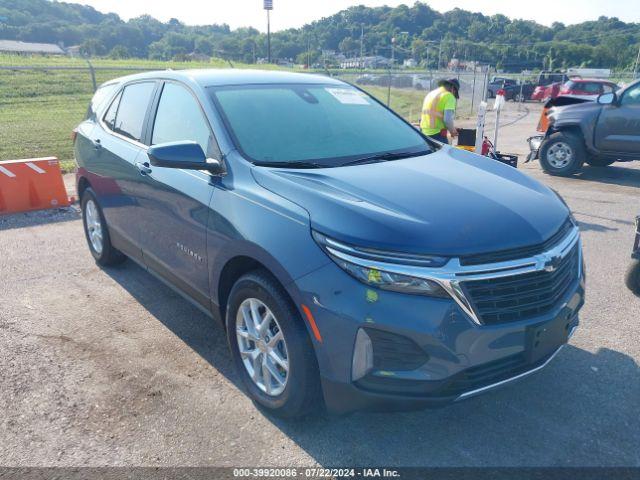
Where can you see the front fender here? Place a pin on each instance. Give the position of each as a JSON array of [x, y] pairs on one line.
[[580, 121], [259, 225]]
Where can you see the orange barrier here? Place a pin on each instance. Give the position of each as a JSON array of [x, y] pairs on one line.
[[543, 123], [33, 184]]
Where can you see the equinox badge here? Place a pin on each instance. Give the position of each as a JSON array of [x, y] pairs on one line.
[[188, 251]]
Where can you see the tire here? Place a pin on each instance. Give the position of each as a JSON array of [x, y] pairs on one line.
[[95, 227], [301, 393], [632, 278], [599, 162], [562, 154]]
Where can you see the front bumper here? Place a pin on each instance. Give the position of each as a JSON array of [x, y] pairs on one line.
[[462, 358], [534, 147], [342, 398], [636, 242]]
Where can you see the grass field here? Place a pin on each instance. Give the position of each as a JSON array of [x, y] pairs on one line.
[[39, 108]]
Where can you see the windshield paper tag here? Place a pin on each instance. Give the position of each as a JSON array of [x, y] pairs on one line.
[[348, 96]]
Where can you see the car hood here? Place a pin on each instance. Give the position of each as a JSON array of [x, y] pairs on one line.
[[450, 202], [570, 114]]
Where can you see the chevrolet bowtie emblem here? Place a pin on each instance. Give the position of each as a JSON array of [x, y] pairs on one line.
[[552, 264]]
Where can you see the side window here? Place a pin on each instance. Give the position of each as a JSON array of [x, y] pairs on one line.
[[595, 88], [133, 104], [180, 118], [110, 116], [631, 96]]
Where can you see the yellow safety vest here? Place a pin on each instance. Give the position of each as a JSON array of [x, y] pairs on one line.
[[432, 119]]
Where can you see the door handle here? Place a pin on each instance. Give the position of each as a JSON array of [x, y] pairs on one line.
[[143, 168], [96, 144]]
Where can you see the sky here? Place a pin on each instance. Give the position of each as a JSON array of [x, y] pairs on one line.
[[295, 13]]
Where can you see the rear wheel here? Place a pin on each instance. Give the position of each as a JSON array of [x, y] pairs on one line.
[[633, 277], [95, 229], [271, 347], [562, 154], [599, 161]]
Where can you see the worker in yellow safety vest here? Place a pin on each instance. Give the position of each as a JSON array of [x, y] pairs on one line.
[[438, 110]]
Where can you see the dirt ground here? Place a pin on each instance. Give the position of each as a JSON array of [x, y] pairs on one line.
[[110, 367]]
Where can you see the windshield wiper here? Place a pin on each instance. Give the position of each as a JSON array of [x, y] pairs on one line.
[[294, 164], [383, 157]]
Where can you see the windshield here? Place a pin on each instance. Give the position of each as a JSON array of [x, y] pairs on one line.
[[324, 125]]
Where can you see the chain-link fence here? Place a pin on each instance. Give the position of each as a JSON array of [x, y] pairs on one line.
[[404, 92], [39, 106]]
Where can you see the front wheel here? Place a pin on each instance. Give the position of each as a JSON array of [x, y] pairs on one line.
[[562, 154], [271, 348], [632, 278]]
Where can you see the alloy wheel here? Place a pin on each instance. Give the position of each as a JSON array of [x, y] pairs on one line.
[[262, 346], [94, 226], [559, 155]]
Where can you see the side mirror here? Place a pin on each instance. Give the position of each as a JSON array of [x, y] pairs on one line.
[[607, 98], [187, 155]]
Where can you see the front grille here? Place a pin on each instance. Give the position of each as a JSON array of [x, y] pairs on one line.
[[519, 297], [517, 253]]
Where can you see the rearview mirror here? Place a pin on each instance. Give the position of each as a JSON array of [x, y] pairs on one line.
[[187, 155], [607, 98]]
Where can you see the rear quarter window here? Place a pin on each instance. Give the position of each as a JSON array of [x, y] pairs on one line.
[[103, 94], [130, 110]]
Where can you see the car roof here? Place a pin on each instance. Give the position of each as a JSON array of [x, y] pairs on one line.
[[231, 76], [591, 80]]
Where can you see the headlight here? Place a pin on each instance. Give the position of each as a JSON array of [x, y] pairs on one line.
[[535, 142], [372, 267]]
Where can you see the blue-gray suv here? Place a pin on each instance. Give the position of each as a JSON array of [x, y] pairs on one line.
[[354, 263]]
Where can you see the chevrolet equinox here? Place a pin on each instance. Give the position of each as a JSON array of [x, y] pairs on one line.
[[354, 263]]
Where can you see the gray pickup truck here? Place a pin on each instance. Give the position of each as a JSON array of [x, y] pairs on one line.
[[598, 133]]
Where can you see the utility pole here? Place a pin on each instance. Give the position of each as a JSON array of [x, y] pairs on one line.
[[393, 51], [427, 57], [362, 46], [268, 6], [439, 56], [635, 68]]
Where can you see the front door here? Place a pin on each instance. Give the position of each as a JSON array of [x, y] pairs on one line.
[[618, 128], [174, 202]]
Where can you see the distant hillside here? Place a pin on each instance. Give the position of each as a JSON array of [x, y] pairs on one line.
[[419, 31]]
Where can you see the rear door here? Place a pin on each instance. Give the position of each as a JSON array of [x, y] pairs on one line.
[[175, 203], [618, 128], [117, 141]]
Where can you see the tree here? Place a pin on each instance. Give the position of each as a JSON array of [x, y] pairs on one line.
[[605, 42], [92, 48], [203, 45], [119, 51]]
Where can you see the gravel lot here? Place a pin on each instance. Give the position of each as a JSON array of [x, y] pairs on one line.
[[110, 367]]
